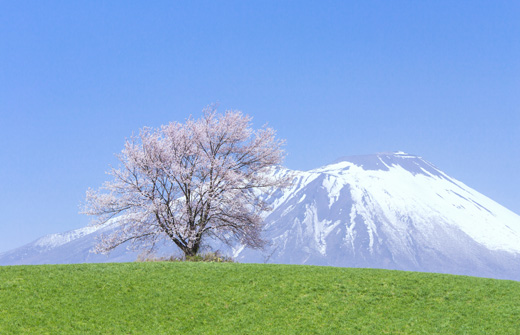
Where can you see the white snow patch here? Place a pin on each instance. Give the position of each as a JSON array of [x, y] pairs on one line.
[[333, 186], [55, 240]]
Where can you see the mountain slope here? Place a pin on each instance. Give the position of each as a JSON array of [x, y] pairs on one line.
[[74, 246], [389, 210], [392, 211]]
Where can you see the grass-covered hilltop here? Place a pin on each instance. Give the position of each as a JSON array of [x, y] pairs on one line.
[[231, 298]]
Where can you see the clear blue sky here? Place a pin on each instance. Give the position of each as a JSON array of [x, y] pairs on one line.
[[440, 79]]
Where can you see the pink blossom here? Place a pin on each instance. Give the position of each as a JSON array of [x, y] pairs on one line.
[[187, 181]]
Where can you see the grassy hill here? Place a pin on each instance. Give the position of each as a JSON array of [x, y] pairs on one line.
[[230, 298]]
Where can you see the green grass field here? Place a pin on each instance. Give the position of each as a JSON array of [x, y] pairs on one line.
[[230, 298]]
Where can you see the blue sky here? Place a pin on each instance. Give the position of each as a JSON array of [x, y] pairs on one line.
[[440, 79]]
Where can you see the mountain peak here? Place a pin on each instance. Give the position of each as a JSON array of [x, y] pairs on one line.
[[384, 161], [401, 154], [396, 154]]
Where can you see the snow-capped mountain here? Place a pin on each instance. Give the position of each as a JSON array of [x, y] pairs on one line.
[[74, 246], [389, 210], [393, 211]]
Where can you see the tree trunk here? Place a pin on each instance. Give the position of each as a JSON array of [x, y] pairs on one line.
[[191, 251]]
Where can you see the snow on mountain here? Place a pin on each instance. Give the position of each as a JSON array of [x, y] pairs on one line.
[[389, 210], [55, 240], [74, 246]]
